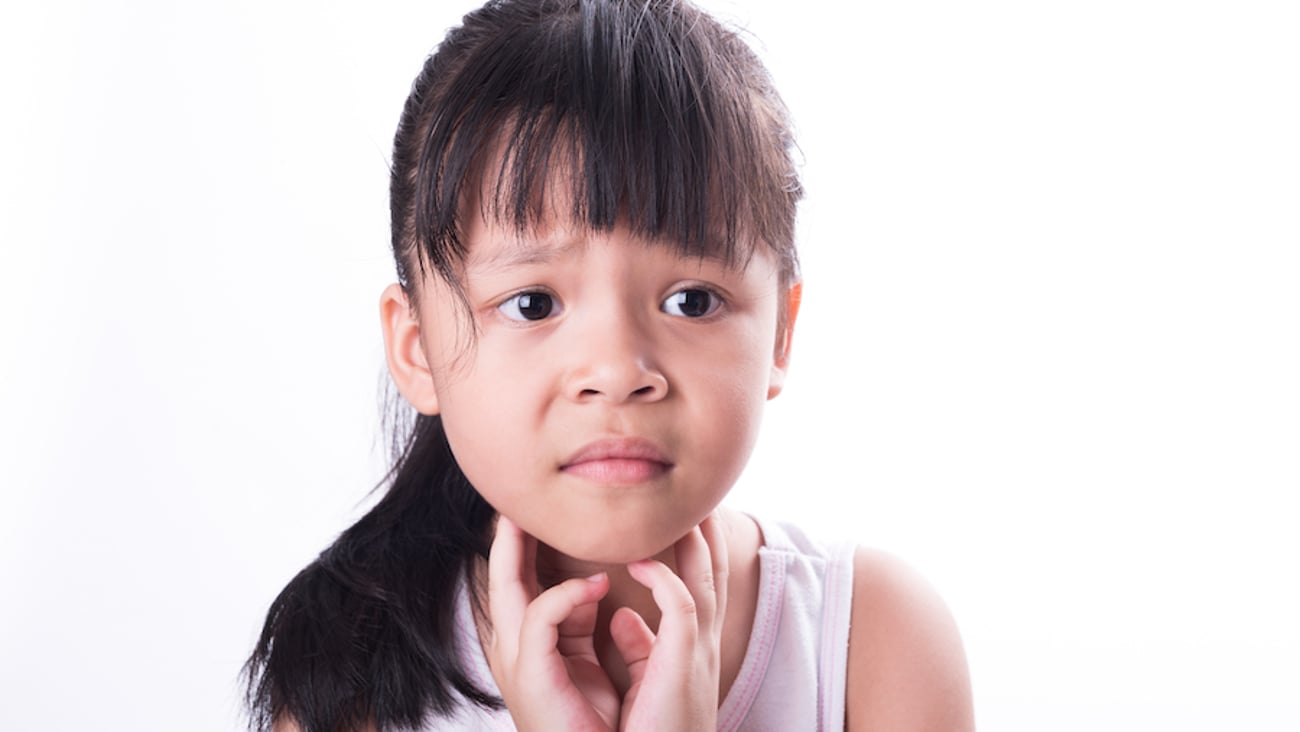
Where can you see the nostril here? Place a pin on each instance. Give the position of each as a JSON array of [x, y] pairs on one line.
[[640, 387]]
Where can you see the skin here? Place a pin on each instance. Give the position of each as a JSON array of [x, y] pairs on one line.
[[907, 669], [611, 362], [621, 596], [615, 359]]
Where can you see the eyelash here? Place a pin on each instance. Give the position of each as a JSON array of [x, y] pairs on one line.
[[716, 300], [552, 307]]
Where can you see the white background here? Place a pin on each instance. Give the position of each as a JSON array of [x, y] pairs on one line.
[[1048, 352]]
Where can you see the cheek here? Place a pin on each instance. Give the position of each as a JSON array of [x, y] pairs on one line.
[[491, 458], [731, 417], [491, 411]]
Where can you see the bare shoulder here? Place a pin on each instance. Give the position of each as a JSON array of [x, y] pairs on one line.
[[907, 668]]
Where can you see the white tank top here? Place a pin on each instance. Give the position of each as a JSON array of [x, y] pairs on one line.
[[792, 677]]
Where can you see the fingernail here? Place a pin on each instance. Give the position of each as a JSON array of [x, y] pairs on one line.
[[597, 577]]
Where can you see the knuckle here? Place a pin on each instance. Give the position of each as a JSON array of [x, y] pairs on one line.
[[687, 606], [709, 581]]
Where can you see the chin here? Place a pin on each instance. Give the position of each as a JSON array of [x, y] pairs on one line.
[[613, 549]]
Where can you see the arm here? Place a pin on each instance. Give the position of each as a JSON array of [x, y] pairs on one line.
[[907, 669]]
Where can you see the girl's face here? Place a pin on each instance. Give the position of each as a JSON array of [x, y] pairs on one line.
[[613, 390]]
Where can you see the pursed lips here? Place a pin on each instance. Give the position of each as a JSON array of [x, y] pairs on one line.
[[618, 460]]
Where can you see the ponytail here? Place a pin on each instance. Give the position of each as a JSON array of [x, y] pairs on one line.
[[365, 634]]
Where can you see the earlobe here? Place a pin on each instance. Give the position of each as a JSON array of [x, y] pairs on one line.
[[781, 361], [404, 350]]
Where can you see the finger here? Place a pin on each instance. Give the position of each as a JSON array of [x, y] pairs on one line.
[[695, 567], [634, 641], [716, 539], [678, 622], [508, 595], [539, 634], [577, 632], [528, 572]]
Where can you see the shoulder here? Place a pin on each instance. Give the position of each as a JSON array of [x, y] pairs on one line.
[[907, 669]]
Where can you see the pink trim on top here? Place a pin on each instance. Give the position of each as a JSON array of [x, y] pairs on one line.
[[830, 643], [761, 643]]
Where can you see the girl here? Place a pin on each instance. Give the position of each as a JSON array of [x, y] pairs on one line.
[[593, 224]]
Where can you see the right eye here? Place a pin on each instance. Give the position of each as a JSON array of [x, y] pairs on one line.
[[527, 306]]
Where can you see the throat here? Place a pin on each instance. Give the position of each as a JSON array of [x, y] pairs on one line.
[[743, 541]]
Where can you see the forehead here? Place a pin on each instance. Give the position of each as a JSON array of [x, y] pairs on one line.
[[494, 246], [505, 221], [531, 200]]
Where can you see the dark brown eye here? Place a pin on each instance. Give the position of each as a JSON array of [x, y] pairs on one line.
[[528, 306], [691, 303]]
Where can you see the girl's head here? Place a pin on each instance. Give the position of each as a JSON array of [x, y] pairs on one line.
[[603, 192], [593, 212]]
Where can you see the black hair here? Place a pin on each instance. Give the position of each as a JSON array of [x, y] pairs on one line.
[[656, 116]]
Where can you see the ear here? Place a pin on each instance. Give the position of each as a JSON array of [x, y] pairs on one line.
[[781, 361], [404, 350]]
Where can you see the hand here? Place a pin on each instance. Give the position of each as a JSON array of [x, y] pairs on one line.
[[542, 652], [674, 673]]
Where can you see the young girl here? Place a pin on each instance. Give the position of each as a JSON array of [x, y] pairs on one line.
[[593, 223]]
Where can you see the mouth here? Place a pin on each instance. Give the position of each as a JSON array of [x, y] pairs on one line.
[[620, 460]]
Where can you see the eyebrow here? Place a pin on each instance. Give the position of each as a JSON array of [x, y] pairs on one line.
[[523, 253]]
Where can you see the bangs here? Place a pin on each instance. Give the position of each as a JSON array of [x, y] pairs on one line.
[[646, 114]]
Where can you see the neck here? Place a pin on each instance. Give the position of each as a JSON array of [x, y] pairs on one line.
[[554, 567], [742, 542]]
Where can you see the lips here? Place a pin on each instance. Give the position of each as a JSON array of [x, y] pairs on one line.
[[620, 460]]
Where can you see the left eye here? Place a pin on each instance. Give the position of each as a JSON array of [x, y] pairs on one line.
[[691, 303]]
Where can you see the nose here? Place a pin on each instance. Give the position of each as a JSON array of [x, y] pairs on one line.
[[615, 362]]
